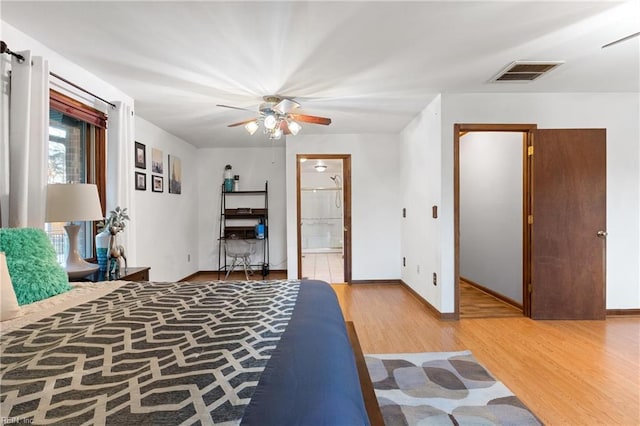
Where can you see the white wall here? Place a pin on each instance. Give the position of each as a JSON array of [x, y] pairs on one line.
[[618, 113], [166, 229], [420, 183], [255, 166], [375, 200], [491, 210]]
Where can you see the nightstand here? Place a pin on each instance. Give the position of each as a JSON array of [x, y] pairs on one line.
[[129, 274]]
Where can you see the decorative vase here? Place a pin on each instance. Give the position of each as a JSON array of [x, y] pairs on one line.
[[102, 248], [228, 178]]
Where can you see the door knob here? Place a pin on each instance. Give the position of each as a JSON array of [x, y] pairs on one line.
[[602, 234]]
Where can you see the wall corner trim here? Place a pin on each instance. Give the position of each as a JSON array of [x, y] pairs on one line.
[[378, 282], [446, 316]]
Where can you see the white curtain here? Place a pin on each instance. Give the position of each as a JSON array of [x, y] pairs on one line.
[[120, 183], [28, 141]]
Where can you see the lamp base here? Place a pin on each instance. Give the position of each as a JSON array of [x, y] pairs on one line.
[[74, 274], [75, 265]]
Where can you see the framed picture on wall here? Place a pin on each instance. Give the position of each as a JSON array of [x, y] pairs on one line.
[[141, 181], [175, 175], [157, 165], [141, 155], [157, 183]]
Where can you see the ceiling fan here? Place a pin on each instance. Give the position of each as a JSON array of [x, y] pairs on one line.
[[278, 117]]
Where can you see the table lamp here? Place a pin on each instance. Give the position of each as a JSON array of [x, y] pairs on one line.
[[69, 202]]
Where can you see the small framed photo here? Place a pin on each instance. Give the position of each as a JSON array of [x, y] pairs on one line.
[[141, 156], [157, 165], [141, 181], [157, 183], [175, 175]]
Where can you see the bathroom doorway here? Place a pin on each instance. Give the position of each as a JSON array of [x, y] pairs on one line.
[[323, 225]]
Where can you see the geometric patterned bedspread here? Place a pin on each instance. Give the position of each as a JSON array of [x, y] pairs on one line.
[[147, 353]]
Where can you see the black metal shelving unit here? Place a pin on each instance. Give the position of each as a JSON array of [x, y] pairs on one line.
[[239, 223]]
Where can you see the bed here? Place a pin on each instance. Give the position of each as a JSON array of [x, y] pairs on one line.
[[252, 353]]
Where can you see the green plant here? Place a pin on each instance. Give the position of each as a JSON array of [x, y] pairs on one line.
[[116, 221]]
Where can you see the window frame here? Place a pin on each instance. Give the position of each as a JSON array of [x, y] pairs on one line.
[[95, 145]]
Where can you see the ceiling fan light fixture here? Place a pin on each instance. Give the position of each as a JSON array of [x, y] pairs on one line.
[[294, 127], [275, 134], [276, 118], [270, 121], [251, 127]]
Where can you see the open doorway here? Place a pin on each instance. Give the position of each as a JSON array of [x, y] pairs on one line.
[[492, 205], [323, 218], [491, 199]]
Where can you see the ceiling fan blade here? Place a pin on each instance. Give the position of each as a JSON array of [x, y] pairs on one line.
[[232, 107], [285, 106], [310, 119], [622, 39], [241, 123]]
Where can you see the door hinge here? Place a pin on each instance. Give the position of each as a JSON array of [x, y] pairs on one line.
[[530, 150], [530, 219], [529, 287]]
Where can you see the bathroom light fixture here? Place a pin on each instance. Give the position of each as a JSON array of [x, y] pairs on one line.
[[320, 167]]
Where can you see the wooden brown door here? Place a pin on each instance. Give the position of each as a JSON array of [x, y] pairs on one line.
[[569, 224]]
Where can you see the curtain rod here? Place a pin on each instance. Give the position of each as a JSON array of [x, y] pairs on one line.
[[81, 88], [5, 49]]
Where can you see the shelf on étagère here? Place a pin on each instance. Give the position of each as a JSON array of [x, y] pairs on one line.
[[245, 213], [241, 232], [244, 192]]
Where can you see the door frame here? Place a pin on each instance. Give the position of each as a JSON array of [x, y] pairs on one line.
[[528, 131], [346, 207]]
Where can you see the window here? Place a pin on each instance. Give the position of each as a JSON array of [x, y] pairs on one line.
[[76, 155]]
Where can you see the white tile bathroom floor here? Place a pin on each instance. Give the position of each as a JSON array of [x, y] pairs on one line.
[[327, 267]]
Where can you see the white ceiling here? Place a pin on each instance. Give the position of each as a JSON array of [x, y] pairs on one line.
[[371, 66]]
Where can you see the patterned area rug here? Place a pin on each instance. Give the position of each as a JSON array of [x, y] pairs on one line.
[[442, 388]]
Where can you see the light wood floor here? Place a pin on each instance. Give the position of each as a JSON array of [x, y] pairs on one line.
[[566, 372], [475, 303]]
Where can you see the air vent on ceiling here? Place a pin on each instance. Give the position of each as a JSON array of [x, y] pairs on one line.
[[525, 71]]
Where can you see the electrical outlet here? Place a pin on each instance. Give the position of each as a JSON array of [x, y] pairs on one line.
[[418, 268], [404, 261], [404, 212], [189, 258], [435, 279]]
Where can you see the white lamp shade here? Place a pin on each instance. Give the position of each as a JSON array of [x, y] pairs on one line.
[[294, 127], [68, 202], [251, 127], [270, 122]]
